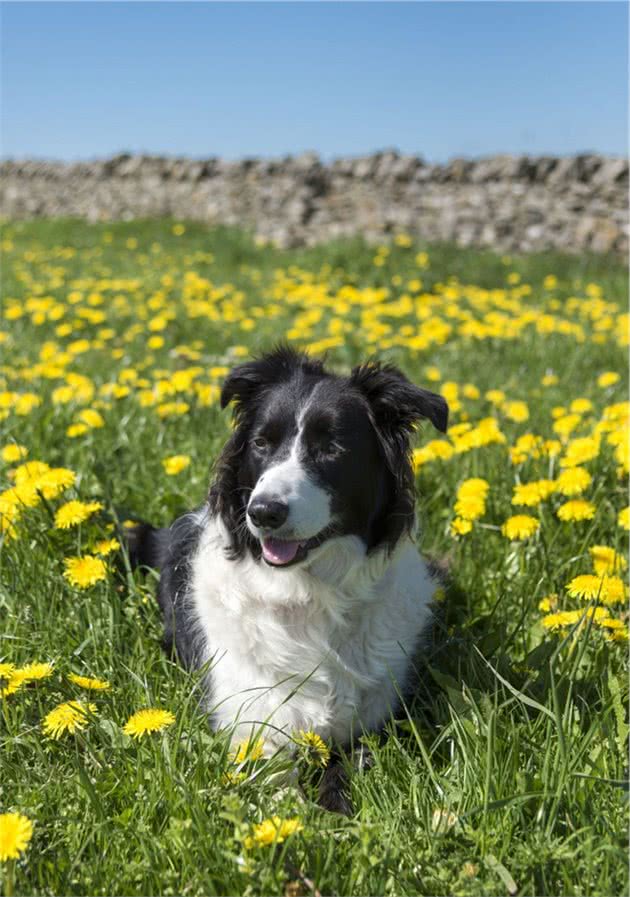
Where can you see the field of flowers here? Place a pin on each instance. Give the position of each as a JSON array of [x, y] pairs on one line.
[[508, 774]]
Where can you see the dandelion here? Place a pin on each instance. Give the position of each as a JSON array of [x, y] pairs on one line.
[[87, 682], [520, 527], [572, 511], [13, 452], [605, 589], [76, 430], [516, 411], [85, 571], [579, 451], [55, 481], [548, 603], [272, 831], [30, 472], [460, 526], [144, 722], [532, 494], [470, 507], [571, 617], [573, 481], [71, 716], [608, 378], [606, 560], [623, 518], [316, 749], [91, 418], [15, 677], [75, 512], [106, 547], [175, 464], [249, 750], [471, 498], [8, 683], [16, 831]]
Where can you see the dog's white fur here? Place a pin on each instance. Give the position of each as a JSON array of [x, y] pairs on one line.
[[309, 506], [323, 646]]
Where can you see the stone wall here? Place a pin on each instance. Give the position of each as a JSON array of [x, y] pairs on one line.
[[510, 203]]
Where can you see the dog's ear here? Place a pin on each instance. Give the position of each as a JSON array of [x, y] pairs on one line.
[[396, 403], [395, 406], [247, 380]]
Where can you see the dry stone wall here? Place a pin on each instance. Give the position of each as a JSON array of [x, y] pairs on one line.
[[509, 203]]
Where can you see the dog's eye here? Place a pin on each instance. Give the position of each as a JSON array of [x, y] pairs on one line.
[[330, 448], [260, 442]]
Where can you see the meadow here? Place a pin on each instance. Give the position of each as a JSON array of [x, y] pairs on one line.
[[508, 773]]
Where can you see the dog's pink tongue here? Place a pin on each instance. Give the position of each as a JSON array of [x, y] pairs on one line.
[[279, 551]]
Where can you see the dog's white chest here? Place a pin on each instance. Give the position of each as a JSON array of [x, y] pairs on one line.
[[290, 652]]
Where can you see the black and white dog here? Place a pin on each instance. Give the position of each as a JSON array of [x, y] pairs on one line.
[[299, 583]]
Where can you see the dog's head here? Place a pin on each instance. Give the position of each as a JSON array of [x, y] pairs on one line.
[[315, 455]]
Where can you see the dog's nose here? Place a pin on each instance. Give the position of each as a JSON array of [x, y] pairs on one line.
[[267, 514]]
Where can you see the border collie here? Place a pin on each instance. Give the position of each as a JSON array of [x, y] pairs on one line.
[[298, 585]]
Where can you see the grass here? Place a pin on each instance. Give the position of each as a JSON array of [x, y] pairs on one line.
[[508, 773]]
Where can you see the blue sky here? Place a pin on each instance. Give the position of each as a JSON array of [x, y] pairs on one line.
[[233, 79]]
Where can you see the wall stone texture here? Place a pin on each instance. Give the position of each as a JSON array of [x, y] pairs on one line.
[[508, 203]]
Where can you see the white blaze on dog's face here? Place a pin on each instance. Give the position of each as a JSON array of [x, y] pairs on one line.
[[288, 507], [316, 455]]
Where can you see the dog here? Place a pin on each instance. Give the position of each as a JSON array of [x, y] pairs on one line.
[[298, 586]]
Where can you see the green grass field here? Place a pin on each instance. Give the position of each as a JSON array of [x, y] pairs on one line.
[[508, 774]]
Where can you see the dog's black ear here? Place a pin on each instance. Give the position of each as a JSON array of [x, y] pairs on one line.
[[396, 403], [247, 380]]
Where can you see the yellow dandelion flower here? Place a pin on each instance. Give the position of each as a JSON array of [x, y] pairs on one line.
[[55, 481], [470, 507], [144, 722], [106, 547], [30, 472], [576, 510], [531, 494], [611, 623], [76, 430], [8, 682], [272, 831], [460, 526], [68, 717], [548, 603], [13, 452], [520, 527], [607, 560], [171, 409], [175, 464], [608, 378], [85, 571], [623, 518], [605, 589], [516, 411], [573, 481], [571, 617], [16, 831], [34, 671], [75, 512], [581, 406], [87, 682], [249, 750], [15, 677], [91, 418], [316, 749], [579, 451]]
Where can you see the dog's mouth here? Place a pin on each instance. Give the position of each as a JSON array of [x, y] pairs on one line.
[[286, 552]]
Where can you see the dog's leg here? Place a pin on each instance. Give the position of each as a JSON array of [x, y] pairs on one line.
[[334, 788]]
